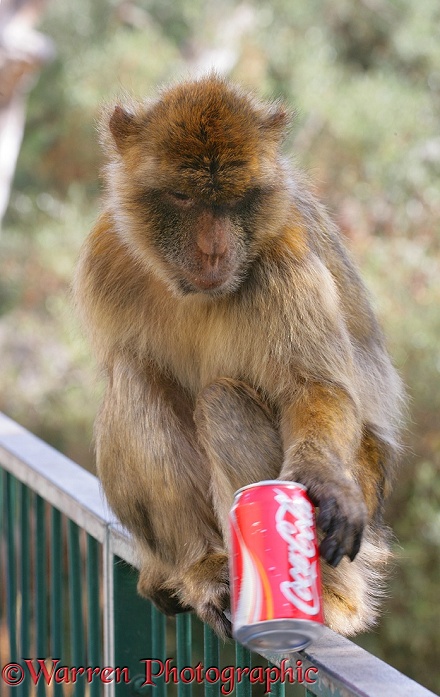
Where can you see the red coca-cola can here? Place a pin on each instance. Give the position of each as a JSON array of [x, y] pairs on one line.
[[276, 598]]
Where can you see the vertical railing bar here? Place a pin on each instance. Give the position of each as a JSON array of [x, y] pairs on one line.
[[11, 586], [158, 631], [243, 660], [108, 603], [40, 576], [211, 657], [93, 613], [56, 598], [25, 578], [278, 688], [76, 618], [148, 625], [184, 653]]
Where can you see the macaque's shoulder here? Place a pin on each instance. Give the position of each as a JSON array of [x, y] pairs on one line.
[[109, 286], [108, 262], [103, 245]]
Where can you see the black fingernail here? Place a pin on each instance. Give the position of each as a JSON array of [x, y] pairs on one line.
[[324, 522], [353, 554], [325, 518], [337, 558], [328, 548], [356, 547]]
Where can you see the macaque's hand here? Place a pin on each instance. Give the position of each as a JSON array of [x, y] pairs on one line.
[[342, 517]]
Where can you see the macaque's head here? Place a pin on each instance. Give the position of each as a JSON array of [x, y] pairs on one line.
[[198, 182]]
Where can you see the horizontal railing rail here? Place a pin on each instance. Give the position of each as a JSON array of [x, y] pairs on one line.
[[33, 468]]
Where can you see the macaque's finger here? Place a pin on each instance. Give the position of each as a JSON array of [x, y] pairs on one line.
[[343, 521]]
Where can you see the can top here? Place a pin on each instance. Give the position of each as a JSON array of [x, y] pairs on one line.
[[269, 482]]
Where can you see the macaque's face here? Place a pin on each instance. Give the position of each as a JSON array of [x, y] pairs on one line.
[[207, 244], [204, 182]]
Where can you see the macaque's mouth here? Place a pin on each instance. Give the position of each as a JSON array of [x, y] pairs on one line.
[[209, 283], [205, 286], [201, 284], [198, 280]]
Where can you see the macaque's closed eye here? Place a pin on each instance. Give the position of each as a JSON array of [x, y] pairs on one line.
[[229, 205], [180, 198]]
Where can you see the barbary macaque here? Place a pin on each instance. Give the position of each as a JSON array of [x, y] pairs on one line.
[[239, 345]]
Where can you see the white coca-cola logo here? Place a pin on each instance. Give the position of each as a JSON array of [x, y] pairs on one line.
[[302, 591]]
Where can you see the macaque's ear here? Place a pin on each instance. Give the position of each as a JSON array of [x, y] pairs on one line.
[[122, 125], [276, 120]]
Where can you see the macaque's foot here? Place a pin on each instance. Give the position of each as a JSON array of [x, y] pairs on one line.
[[168, 603], [166, 600], [342, 517], [206, 589]]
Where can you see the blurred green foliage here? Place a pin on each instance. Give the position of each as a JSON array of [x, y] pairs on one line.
[[364, 79]]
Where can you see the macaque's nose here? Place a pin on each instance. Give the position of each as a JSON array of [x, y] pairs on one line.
[[212, 242]]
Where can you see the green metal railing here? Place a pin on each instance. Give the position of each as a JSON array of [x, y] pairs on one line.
[[68, 594]]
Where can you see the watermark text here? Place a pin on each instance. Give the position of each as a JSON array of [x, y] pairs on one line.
[[51, 671]]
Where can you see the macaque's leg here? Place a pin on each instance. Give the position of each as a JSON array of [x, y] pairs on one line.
[[372, 470], [237, 433], [352, 593], [157, 482]]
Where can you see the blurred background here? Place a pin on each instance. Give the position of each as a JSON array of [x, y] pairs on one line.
[[364, 78]]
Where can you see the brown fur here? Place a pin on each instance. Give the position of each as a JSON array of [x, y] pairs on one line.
[[239, 345]]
